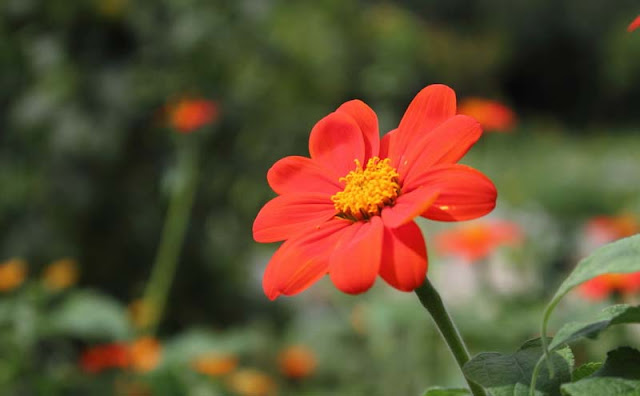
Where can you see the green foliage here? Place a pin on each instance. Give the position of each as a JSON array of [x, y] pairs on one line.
[[585, 370], [437, 391], [623, 362], [617, 314], [91, 316], [511, 374], [602, 387]]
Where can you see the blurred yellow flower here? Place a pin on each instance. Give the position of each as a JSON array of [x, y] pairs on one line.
[[251, 382], [60, 274], [215, 364], [140, 313], [145, 354], [12, 274]]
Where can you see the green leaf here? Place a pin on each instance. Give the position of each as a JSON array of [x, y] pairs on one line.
[[623, 362], [617, 314], [511, 374], [437, 391], [602, 386], [88, 314], [622, 256], [585, 370]]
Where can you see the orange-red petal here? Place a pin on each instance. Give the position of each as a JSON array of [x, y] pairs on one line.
[[465, 193], [404, 257], [302, 260], [285, 215], [446, 144], [634, 25], [409, 206], [356, 258], [385, 142], [336, 141], [295, 174], [431, 106], [367, 120]]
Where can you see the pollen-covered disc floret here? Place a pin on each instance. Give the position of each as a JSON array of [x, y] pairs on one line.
[[367, 190]]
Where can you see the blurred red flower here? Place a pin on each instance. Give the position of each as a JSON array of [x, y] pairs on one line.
[[141, 355], [476, 241], [634, 25], [492, 115], [187, 115], [349, 209], [104, 357], [602, 286]]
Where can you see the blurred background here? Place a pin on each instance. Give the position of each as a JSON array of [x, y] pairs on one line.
[[88, 142]]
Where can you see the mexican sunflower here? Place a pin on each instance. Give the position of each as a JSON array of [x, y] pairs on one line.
[[477, 241], [349, 209], [634, 25], [492, 115]]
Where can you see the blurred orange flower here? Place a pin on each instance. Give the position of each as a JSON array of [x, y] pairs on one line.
[[604, 229], [104, 357], [145, 354], [251, 382], [492, 115], [12, 274], [297, 361], [634, 25], [215, 364], [478, 240], [187, 115], [60, 274], [602, 286]]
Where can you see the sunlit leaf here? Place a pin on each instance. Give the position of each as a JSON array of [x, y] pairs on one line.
[[602, 386], [437, 391], [511, 374], [585, 370]]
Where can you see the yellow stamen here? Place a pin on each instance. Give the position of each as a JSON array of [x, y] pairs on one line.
[[367, 190]]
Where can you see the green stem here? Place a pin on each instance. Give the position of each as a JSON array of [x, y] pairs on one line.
[[173, 232], [432, 301]]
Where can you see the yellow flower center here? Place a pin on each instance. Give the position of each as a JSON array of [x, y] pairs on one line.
[[367, 190]]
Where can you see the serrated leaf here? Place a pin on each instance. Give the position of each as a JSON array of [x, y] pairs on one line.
[[602, 386], [510, 375], [88, 314], [437, 391], [623, 362], [610, 316], [585, 370]]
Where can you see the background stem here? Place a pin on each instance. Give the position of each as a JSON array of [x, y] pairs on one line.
[[431, 300], [175, 226]]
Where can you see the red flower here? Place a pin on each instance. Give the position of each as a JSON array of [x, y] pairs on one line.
[[634, 25], [103, 357], [190, 114], [492, 115], [349, 209], [476, 241], [602, 286]]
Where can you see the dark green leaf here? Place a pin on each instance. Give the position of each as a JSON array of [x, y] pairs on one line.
[[602, 386], [511, 374], [623, 362]]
